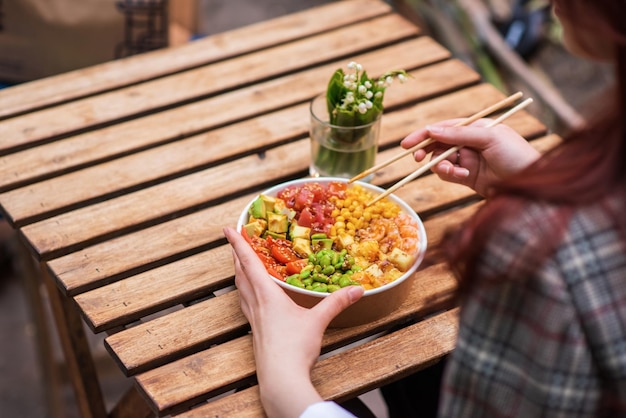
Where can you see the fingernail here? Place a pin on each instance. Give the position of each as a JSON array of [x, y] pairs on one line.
[[461, 173], [355, 292], [434, 129]]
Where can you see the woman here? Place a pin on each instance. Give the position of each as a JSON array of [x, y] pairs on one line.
[[541, 267]]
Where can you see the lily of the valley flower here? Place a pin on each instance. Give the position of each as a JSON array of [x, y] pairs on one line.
[[354, 99]]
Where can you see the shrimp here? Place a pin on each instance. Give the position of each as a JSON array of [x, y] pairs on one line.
[[409, 245], [384, 231], [408, 233], [400, 232], [376, 230], [392, 237]]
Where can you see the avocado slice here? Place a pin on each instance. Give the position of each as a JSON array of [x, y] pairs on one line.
[[256, 227], [322, 244], [257, 209], [269, 233], [269, 202], [277, 223], [302, 246], [297, 231]]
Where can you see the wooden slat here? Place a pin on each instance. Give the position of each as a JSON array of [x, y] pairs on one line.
[[63, 155], [338, 377], [203, 81], [128, 300], [104, 263], [132, 70]]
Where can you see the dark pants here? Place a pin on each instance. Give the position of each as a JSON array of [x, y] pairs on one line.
[[415, 396]]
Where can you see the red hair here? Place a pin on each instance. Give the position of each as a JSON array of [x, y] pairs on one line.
[[588, 166]]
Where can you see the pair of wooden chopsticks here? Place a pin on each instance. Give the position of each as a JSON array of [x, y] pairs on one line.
[[483, 113]]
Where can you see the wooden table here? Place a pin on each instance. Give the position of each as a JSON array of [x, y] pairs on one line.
[[120, 178]]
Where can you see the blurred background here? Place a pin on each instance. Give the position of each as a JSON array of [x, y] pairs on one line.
[[514, 44]]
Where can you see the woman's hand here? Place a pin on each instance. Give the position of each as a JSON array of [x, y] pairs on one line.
[[489, 154], [287, 338]]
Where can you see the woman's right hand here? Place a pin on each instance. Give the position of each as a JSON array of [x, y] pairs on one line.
[[286, 337], [488, 154]]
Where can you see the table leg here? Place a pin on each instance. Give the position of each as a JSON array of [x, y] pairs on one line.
[[31, 280], [78, 357], [132, 405]]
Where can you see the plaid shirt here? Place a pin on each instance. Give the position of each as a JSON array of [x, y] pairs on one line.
[[550, 340]]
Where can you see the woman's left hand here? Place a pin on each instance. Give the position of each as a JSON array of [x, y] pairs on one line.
[[287, 338]]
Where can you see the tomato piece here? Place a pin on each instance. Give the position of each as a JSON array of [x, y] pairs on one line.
[[244, 233], [266, 258], [296, 266], [262, 250], [272, 266], [280, 272], [283, 255], [277, 241]]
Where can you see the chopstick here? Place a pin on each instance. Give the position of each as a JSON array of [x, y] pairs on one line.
[[446, 154], [485, 112]]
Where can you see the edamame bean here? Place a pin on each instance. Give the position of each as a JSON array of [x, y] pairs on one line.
[[294, 281], [320, 278], [345, 281], [327, 270], [321, 287]]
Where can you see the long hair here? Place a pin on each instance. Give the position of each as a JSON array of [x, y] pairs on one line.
[[585, 168]]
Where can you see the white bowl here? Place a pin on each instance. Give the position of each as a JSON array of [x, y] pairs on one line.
[[375, 303]]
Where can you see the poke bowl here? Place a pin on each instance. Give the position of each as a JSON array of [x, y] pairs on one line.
[[317, 235]]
